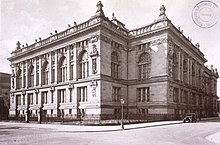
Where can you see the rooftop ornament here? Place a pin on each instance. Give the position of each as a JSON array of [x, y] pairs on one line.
[[99, 11], [162, 13], [113, 16], [18, 45], [197, 45]]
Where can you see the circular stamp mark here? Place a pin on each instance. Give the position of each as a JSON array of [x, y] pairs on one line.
[[204, 14]]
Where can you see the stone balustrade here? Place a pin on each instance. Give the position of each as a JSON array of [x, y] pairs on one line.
[[57, 36], [148, 28]]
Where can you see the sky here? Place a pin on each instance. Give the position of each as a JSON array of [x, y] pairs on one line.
[[27, 20]]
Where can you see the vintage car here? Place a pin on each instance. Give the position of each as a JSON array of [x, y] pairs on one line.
[[190, 117]]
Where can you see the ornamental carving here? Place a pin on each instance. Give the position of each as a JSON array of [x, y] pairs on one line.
[[170, 60], [94, 38], [93, 85], [94, 67], [94, 51], [158, 41]]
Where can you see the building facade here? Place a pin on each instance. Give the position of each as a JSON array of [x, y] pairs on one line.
[[84, 71], [4, 94]]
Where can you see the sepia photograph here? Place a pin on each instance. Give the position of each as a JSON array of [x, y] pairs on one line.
[[108, 72]]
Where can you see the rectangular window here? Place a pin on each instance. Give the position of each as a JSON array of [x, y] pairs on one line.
[[116, 94], [70, 111], [82, 92], [46, 77], [70, 90], [142, 111], [143, 94], [30, 98], [23, 99], [18, 99], [53, 75], [20, 82], [44, 96], [36, 98], [52, 97], [24, 80], [32, 80], [175, 94], [37, 78], [61, 96], [71, 71]]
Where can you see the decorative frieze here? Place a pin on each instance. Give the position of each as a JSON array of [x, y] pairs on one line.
[[158, 41]]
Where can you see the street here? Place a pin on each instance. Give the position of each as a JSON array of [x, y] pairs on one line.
[[200, 133]]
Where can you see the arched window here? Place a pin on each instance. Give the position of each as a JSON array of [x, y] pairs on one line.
[[62, 69], [175, 66], [115, 64], [31, 76], [19, 78], [45, 73], [144, 66], [84, 65]]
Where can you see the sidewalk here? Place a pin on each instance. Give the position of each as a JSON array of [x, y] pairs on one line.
[[76, 128]]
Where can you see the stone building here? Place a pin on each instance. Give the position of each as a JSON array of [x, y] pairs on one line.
[[84, 71], [4, 94]]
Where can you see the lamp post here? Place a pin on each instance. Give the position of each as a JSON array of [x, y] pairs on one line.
[[122, 112]]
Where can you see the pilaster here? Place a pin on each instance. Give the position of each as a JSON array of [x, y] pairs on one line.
[[35, 71], [50, 68], [68, 63], [56, 63], [75, 74], [22, 74], [40, 69], [26, 74]]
